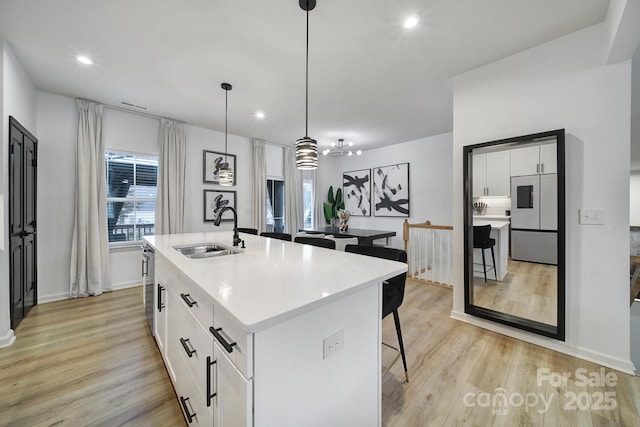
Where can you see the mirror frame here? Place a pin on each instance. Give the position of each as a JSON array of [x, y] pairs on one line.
[[553, 331]]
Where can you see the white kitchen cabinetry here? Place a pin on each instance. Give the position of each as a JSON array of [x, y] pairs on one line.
[[491, 174], [159, 320], [293, 333], [537, 159]]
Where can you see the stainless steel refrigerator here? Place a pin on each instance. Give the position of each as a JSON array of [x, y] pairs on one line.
[[534, 218]]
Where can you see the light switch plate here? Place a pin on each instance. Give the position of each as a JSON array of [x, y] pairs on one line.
[[592, 216], [333, 344]]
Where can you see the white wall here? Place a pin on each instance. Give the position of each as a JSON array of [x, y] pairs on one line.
[[430, 181], [56, 193], [18, 100], [199, 139], [564, 84], [122, 131]]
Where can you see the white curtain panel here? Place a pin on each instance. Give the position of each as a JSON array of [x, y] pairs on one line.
[[293, 201], [259, 198], [90, 270], [171, 176]]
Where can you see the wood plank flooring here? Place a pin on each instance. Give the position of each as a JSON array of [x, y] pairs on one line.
[[88, 361], [529, 290], [458, 371], [92, 361]]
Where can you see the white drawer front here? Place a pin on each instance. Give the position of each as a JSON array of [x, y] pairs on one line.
[[199, 303], [196, 347], [234, 342], [167, 270], [190, 399]]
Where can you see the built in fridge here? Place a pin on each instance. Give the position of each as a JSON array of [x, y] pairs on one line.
[[534, 218]]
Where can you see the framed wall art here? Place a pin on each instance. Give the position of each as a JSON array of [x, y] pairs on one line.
[[391, 190], [212, 162], [356, 192], [215, 200]]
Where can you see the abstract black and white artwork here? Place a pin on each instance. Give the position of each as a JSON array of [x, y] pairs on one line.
[[356, 192], [391, 190], [215, 200], [212, 162]]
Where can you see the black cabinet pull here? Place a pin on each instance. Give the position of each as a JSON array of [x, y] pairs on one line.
[[221, 340], [187, 298], [189, 415], [186, 347], [160, 304], [210, 363]]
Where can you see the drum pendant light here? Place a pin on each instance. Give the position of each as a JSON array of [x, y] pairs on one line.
[[307, 148], [225, 174]]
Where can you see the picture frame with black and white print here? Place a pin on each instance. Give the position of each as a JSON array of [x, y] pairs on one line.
[[391, 190], [356, 192], [212, 162], [215, 201]]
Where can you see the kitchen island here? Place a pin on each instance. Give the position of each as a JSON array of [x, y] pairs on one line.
[[499, 232], [277, 334]]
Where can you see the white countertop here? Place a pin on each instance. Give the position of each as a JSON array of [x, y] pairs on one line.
[[272, 280], [499, 225], [493, 217]]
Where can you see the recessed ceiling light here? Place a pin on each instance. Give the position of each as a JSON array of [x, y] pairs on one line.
[[411, 22], [260, 115], [84, 60]]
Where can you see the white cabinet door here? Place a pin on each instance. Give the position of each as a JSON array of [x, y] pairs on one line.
[[479, 182], [234, 393], [160, 323], [172, 345], [498, 172], [548, 158], [525, 161]]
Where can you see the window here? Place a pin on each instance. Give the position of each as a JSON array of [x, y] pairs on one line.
[[307, 196], [132, 181], [275, 205]]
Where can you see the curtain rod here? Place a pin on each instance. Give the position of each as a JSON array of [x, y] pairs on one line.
[[113, 107], [126, 110]]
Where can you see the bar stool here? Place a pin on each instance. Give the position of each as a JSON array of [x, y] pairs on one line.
[[482, 241]]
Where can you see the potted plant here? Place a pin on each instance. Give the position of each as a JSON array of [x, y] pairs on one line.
[[335, 204]]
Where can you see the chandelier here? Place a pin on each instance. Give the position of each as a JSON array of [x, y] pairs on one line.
[[340, 149]]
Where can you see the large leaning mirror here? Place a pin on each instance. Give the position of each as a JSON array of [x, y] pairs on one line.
[[514, 232]]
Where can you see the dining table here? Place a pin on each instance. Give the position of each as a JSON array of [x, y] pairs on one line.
[[365, 237]]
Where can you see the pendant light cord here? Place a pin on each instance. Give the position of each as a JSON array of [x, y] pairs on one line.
[[306, 120], [226, 113]]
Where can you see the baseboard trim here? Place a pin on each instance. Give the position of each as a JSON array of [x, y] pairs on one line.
[[42, 299], [621, 365], [8, 339]]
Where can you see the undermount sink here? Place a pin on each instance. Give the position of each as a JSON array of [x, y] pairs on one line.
[[204, 250]]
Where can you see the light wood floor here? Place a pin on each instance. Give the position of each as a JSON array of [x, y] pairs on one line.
[[92, 361], [88, 361], [449, 360], [529, 290]]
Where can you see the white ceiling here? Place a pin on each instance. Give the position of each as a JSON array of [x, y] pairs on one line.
[[370, 80]]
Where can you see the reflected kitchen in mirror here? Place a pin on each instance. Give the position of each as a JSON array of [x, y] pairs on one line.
[[514, 232]]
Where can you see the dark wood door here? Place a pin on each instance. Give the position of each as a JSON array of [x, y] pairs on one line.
[[23, 153]]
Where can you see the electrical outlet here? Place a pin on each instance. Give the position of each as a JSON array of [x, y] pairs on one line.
[[592, 216], [333, 344]]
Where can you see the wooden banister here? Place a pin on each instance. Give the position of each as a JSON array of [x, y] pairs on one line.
[[426, 224]]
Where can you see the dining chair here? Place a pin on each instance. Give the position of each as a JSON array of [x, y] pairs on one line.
[[482, 241], [392, 292], [279, 236], [248, 231], [314, 241], [342, 242]]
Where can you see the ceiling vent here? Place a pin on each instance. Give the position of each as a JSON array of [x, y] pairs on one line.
[[134, 106]]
